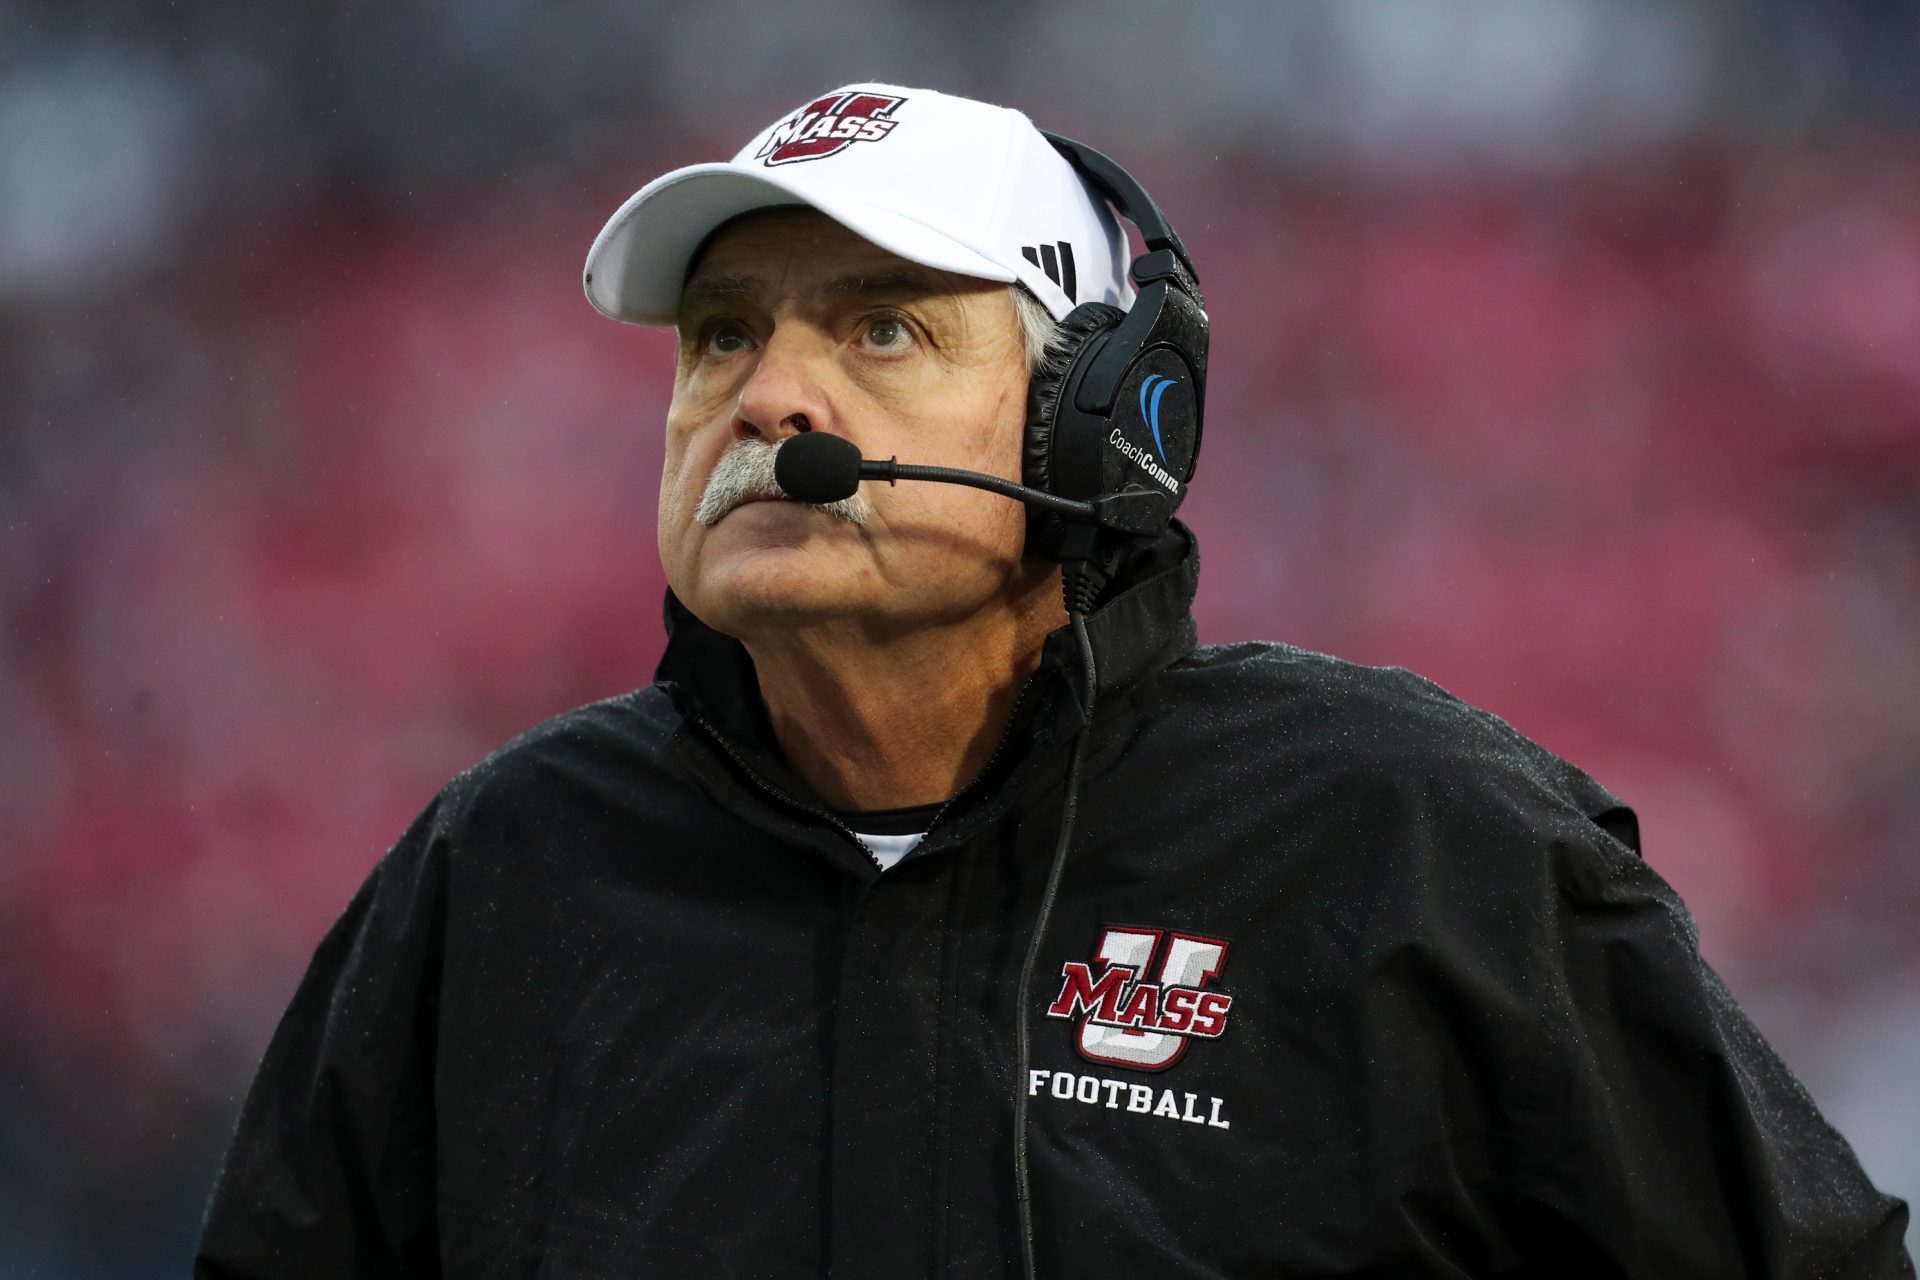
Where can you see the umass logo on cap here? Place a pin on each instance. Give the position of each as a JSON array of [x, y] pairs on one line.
[[828, 126]]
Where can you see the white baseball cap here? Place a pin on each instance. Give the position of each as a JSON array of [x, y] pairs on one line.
[[946, 182]]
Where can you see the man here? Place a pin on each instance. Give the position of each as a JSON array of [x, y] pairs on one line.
[[725, 977]]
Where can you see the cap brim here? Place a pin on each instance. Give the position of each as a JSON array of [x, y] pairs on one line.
[[639, 261]]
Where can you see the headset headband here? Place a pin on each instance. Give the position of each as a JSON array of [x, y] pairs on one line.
[[1133, 202]]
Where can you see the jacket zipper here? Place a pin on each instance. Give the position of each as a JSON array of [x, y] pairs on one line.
[[720, 741]]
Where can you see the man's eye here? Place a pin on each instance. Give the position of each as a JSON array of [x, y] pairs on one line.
[[729, 337], [888, 333]]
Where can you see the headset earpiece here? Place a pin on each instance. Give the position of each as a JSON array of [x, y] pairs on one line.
[[1122, 407], [1087, 324]]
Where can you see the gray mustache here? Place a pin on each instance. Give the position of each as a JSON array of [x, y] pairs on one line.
[[745, 471]]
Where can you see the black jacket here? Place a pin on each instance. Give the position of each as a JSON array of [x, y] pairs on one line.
[[1394, 996]]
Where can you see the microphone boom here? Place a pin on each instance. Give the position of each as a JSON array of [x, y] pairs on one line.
[[893, 471], [819, 467]]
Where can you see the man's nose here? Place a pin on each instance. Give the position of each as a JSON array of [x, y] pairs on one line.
[[784, 393]]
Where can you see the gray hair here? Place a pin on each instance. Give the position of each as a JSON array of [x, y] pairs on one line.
[[1039, 331]]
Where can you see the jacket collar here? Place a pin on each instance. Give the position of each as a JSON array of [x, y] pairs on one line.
[[1139, 628]]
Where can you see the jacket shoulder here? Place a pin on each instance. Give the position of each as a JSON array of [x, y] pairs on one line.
[[609, 746], [1380, 729], [1385, 714]]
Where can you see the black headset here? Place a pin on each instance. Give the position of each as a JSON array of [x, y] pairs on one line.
[[1119, 408]]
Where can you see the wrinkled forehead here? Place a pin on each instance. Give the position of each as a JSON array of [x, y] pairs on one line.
[[798, 253]]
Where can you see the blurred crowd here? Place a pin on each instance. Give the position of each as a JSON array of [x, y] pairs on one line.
[[1566, 353]]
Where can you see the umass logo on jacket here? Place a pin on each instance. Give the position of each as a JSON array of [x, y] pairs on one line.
[[827, 126], [1149, 998]]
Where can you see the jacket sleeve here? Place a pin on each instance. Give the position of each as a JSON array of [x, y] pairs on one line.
[[331, 1168], [1668, 1138]]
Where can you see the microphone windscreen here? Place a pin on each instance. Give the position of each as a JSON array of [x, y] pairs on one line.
[[818, 467]]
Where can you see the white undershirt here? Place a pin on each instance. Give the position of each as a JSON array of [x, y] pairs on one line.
[[888, 850]]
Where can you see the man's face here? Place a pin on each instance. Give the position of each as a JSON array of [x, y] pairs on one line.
[[791, 322]]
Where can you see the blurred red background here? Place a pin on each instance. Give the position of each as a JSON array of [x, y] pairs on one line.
[[323, 479]]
